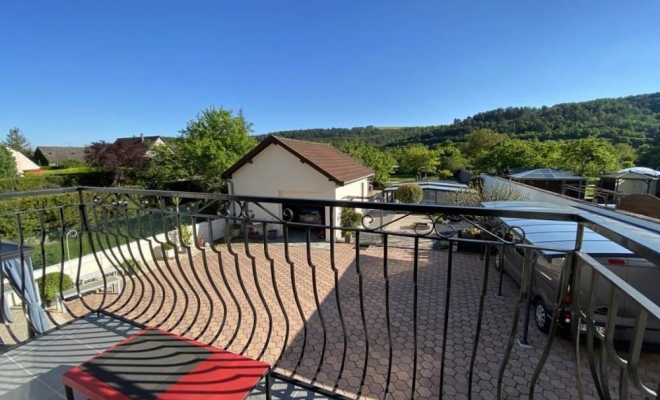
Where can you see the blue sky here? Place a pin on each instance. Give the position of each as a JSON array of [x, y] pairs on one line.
[[72, 72]]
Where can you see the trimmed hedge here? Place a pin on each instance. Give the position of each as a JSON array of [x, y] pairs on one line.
[[54, 181], [52, 288], [409, 193]]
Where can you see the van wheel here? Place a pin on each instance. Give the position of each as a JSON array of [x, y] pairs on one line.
[[541, 316]]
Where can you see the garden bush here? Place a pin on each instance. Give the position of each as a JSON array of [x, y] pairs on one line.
[[130, 267], [445, 174], [409, 193], [52, 285], [349, 218], [54, 179]]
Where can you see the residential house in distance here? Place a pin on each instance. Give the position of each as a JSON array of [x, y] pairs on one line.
[[23, 164], [55, 155], [288, 168], [145, 142]]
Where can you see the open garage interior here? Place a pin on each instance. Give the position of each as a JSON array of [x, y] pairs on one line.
[[306, 215]]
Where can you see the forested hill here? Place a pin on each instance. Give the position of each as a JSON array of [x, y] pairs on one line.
[[634, 120]]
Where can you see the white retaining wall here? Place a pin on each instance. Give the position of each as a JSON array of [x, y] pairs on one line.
[[88, 264]]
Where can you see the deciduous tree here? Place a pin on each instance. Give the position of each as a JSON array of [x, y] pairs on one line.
[[649, 156], [451, 158], [482, 140], [211, 143], [509, 154], [381, 162], [627, 154], [120, 158], [418, 159], [591, 156]]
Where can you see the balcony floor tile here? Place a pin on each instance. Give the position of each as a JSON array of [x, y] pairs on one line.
[[34, 370]]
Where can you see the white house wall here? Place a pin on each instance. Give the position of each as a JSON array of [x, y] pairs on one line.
[[275, 172]]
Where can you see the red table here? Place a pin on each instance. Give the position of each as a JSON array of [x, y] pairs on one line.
[[153, 364]]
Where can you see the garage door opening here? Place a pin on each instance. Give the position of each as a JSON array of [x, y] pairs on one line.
[[306, 215]]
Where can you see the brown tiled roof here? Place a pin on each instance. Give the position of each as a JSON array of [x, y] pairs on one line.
[[331, 162], [139, 139]]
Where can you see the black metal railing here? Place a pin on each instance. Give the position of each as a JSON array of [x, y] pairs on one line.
[[397, 310]]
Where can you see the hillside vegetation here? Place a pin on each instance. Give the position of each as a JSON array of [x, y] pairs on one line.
[[634, 120]]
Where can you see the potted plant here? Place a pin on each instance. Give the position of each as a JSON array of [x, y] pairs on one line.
[[235, 230], [52, 285], [167, 250], [186, 238], [349, 218], [348, 235], [469, 247]]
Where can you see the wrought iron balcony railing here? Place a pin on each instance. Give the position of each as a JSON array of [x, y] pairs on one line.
[[396, 311]]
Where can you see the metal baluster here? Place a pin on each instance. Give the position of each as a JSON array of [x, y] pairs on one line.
[[526, 285], [186, 280], [292, 269], [318, 304], [202, 289], [42, 248], [128, 238], [103, 251], [277, 295], [269, 315], [118, 236], [387, 315], [161, 272], [335, 272], [116, 266], [635, 351], [223, 275], [141, 236], [21, 251], [477, 334], [445, 327], [241, 284], [591, 305], [223, 303], [415, 309], [575, 323], [362, 313], [561, 294]]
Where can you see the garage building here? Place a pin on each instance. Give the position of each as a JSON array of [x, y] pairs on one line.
[[288, 168]]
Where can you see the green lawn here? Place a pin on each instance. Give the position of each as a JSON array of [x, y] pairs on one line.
[[109, 237]]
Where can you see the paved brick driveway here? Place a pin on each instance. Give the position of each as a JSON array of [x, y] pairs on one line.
[[212, 289]]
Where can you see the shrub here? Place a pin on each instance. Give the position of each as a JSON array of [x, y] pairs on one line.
[[66, 164], [470, 232], [52, 285], [55, 179], [7, 163], [445, 174], [409, 193], [130, 267], [349, 218], [167, 246], [186, 235]]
